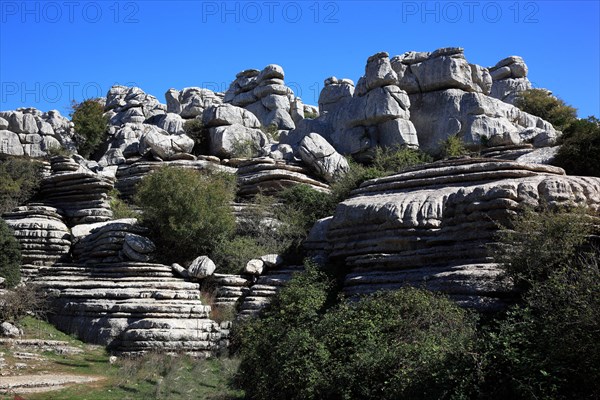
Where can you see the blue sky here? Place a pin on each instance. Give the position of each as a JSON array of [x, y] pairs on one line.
[[55, 51]]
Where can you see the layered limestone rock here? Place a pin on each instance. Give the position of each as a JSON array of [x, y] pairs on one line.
[[32, 133], [112, 241], [131, 105], [449, 97], [268, 176], [264, 94], [79, 193], [42, 235], [131, 307], [322, 158], [129, 175], [432, 226], [509, 79], [355, 121], [229, 289]]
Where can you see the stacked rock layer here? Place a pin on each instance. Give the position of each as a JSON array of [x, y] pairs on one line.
[[432, 226]]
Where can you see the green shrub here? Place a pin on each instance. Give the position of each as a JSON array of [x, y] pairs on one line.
[[272, 131], [310, 115], [19, 180], [579, 153], [403, 344], [391, 160], [542, 103], [188, 212], [195, 129], [10, 256], [303, 206], [119, 207], [90, 125], [540, 242], [547, 347], [358, 173], [232, 254], [453, 146], [245, 149]]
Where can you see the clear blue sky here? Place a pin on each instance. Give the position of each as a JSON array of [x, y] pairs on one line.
[[53, 51]]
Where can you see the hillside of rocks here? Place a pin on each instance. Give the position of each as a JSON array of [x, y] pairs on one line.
[[429, 226]]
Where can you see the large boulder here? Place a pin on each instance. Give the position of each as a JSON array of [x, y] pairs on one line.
[[236, 140], [201, 267], [510, 79], [322, 158], [163, 145], [131, 104]]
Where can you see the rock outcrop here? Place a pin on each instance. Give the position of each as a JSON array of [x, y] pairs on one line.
[[449, 97], [264, 94], [191, 102], [431, 226], [509, 79], [113, 241], [79, 193], [268, 176], [32, 133], [131, 307], [322, 158], [355, 121], [131, 105], [42, 235]]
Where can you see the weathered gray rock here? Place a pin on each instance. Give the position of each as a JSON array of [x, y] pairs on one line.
[[254, 267], [235, 140], [42, 235], [510, 79], [227, 114], [163, 145], [131, 104], [272, 260], [432, 226], [9, 330], [473, 117], [10, 144], [201, 267], [322, 158], [544, 155], [172, 123]]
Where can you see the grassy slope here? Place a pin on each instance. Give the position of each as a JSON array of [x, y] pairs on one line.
[[154, 376]]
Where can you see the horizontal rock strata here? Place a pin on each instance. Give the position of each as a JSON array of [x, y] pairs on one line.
[[431, 226]]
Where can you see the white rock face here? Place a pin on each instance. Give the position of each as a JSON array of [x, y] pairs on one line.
[[201, 267], [227, 114], [131, 104], [322, 158], [265, 95], [510, 79], [163, 145], [229, 140], [254, 267], [190, 102], [9, 330], [29, 132]]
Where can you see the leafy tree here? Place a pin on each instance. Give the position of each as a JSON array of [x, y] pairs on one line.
[[542, 103], [90, 125], [10, 256], [579, 153], [195, 129], [19, 179], [188, 212], [453, 146]]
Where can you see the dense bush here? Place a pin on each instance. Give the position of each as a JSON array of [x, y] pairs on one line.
[[188, 212], [10, 256], [404, 344], [579, 153], [547, 347], [24, 300], [304, 205], [543, 104], [232, 254], [90, 125], [453, 146], [195, 129], [391, 160], [19, 179]]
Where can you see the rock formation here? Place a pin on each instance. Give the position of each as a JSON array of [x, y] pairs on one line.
[[264, 94], [79, 193], [43, 237], [449, 96], [509, 79], [356, 121], [431, 226], [30, 132]]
